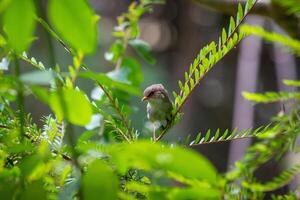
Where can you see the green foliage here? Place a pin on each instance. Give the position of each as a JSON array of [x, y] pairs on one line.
[[110, 159], [19, 24], [269, 97], [208, 138], [64, 104], [76, 23], [210, 55], [292, 83], [99, 179], [292, 6], [162, 158], [291, 43], [279, 181]]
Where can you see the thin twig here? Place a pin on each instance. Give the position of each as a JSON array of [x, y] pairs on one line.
[[119, 112], [56, 37], [125, 44]]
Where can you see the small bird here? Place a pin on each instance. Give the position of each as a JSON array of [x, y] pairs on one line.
[[159, 107]]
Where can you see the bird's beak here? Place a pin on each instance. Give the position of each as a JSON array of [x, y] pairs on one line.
[[144, 98]]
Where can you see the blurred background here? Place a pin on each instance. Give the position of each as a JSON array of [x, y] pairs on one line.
[[176, 32]]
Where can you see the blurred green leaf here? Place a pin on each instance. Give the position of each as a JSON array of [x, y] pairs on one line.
[[38, 77], [19, 24], [29, 164], [99, 181], [132, 69], [142, 49], [193, 193], [8, 87], [19, 148], [110, 83], [190, 193], [154, 156], [130, 72], [295, 83], [116, 50], [41, 93], [4, 4], [76, 23], [34, 190], [72, 105], [7, 189]]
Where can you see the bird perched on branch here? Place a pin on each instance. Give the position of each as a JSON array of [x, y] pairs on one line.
[[159, 107]]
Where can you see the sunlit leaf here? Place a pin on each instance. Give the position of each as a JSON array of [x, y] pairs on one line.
[[116, 50], [99, 181], [110, 83], [75, 22], [153, 156], [143, 49], [34, 190], [72, 105], [19, 24]]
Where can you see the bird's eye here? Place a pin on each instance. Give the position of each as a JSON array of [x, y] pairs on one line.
[[150, 94]]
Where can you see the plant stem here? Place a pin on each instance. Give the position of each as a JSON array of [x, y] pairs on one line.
[[125, 44], [20, 96], [117, 109]]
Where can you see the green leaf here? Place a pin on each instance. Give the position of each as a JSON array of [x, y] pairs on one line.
[[269, 97], [41, 93], [72, 105], [224, 36], [131, 68], [294, 45], [75, 22], [231, 26], [194, 193], [207, 135], [29, 164], [197, 75], [38, 77], [116, 50], [4, 4], [99, 180], [248, 6], [19, 24], [110, 83], [295, 83], [34, 190], [154, 156], [240, 15], [143, 49]]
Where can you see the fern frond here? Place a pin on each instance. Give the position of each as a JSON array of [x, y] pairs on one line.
[[211, 54], [290, 196], [129, 132], [269, 97], [292, 44], [293, 6], [53, 132], [208, 57], [284, 178], [295, 83], [227, 135]]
